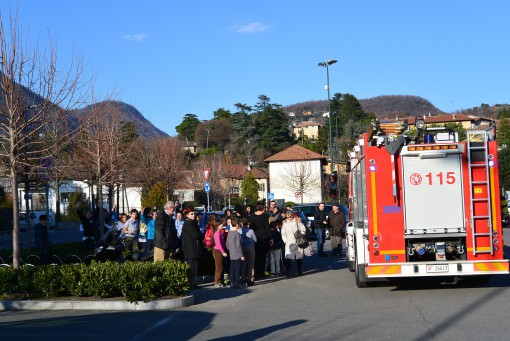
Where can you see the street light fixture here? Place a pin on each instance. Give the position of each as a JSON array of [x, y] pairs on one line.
[[326, 65]]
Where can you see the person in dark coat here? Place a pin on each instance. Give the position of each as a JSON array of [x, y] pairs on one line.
[[192, 245], [90, 227], [259, 223], [165, 233], [336, 221], [321, 223], [42, 239]]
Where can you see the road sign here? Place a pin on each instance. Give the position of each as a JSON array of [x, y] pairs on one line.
[[270, 196], [206, 174], [207, 187], [298, 194]]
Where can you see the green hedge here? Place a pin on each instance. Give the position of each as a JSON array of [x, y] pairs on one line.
[[136, 281]]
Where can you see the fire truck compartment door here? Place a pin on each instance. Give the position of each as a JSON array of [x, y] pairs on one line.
[[433, 194]]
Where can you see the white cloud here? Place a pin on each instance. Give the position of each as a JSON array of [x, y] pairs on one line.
[[252, 27], [135, 37]]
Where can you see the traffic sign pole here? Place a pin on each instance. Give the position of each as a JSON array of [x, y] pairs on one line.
[[207, 189]]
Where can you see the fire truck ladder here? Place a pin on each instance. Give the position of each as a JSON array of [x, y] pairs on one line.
[[479, 186]]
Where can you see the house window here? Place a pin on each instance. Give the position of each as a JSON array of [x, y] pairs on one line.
[[234, 190], [262, 187]]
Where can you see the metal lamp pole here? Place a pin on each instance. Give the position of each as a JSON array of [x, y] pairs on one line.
[[326, 65]]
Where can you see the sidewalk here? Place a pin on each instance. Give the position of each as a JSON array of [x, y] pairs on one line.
[[99, 304]]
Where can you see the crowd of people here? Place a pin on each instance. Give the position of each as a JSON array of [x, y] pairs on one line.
[[247, 244]]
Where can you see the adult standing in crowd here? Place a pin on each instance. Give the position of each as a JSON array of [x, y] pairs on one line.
[[248, 240], [270, 212], [247, 212], [320, 223], [192, 243], [42, 239], [336, 221], [165, 234], [292, 251], [260, 225]]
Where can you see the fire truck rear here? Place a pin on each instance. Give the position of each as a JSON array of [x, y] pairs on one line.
[[424, 206]]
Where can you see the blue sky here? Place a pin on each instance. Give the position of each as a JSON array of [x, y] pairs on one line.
[[170, 58]]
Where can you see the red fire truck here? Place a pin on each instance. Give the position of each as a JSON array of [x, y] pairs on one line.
[[426, 205]]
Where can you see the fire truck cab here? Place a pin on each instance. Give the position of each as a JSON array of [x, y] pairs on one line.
[[426, 205]]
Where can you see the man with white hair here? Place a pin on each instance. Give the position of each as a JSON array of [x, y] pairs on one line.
[[165, 234]]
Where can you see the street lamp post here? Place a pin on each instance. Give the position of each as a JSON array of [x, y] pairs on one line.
[[326, 65]]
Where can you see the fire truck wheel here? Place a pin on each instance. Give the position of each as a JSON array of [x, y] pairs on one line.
[[352, 265], [360, 276]]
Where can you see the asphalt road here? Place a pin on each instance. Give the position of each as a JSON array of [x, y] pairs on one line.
[[324, 304]]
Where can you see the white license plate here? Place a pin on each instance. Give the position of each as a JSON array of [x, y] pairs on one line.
[[437, 268]]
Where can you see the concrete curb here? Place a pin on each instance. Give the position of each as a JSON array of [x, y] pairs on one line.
[[173, 303]]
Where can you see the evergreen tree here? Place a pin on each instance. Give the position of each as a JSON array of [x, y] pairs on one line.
[[243, 128], [504, 112], [187, 128], [249, 189], [221, 114], [128, 133], [503, 133], [156, 197], [272, 125]]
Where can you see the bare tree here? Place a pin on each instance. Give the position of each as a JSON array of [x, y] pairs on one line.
[[167, 162], [32, 85], [299, 177], [102, 149]]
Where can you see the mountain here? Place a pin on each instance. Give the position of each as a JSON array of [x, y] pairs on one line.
[[387, 106], [381, 106], [127, 113]]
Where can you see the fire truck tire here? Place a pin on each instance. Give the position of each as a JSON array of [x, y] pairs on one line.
[[361, 281], [352, 264]]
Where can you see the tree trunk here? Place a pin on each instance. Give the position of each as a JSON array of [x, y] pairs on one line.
[[57, 201], [15, 220]]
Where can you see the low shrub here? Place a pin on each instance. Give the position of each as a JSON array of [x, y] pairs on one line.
[[136, 281]]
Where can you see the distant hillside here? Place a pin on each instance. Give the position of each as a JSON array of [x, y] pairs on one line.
[[128, 113], [381, 106]]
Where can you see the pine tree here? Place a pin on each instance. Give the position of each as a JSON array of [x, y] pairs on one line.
[[249, 189], [156, 197]]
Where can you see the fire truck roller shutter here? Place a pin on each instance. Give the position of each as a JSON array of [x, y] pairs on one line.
[[433, 191]]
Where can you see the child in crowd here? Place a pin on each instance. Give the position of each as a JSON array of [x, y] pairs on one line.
[[130, 229], [150, 231], [275, 253], [236, 254], [142, 237], [218, 252], [209, 237], [226, 261], [120, 223]]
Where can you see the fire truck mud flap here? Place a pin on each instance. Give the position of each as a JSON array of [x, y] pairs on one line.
[[361, 278]]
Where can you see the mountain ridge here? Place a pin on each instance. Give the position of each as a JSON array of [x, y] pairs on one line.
[[381, 106], [127, 113]]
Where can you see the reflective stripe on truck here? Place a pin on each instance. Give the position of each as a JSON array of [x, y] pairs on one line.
[[452, 268]]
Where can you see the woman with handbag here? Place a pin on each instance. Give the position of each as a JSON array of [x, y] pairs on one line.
[[293, 232]]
